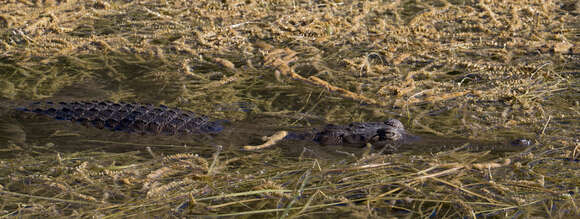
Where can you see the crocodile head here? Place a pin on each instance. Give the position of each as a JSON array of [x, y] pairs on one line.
[[359, 134], [393, 131]]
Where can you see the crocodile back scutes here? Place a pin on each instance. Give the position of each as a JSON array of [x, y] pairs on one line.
[[140, 118]]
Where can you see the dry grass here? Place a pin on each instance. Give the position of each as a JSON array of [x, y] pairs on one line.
[[476, 69]]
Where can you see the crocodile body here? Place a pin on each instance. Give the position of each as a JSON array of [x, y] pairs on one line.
[[148, 119]]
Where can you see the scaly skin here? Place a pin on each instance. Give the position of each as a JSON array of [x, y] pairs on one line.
[[140, 118], [147, 119]]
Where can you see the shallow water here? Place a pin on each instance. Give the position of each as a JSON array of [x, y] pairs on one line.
[[51, 135], [466, 77]]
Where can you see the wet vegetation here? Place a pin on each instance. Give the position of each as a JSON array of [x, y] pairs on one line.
[[481, 71]]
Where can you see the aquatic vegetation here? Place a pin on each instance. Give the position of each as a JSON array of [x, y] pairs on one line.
[[484, 70]]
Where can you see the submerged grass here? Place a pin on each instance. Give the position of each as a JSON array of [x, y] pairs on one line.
[[269, 184], [484, 70]]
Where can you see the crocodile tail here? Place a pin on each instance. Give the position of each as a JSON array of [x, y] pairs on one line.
[[141, 118]]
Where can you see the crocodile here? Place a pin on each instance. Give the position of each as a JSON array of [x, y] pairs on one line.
[[149, 119]]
